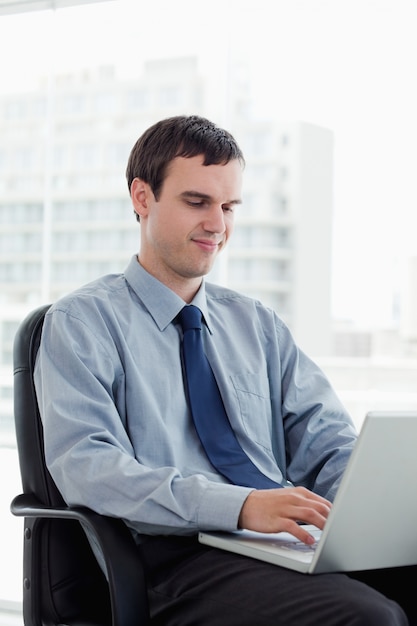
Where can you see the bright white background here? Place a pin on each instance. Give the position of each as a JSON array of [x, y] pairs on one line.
[[348, 65]]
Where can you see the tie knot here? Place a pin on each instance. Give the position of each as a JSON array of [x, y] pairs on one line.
[[190, 317]]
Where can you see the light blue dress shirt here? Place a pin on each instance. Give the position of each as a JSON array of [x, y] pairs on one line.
[[119, 436]]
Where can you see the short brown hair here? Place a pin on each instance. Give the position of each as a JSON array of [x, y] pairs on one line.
[[179, 136]]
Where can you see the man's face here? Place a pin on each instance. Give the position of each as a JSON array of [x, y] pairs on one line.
[[185, 229]]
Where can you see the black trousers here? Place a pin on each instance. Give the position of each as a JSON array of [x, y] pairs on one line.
[[195, 585]]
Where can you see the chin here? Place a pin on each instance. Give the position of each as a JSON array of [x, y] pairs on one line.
[[199, 273]]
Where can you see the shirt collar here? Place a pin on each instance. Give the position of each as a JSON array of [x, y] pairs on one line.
[[162, 303]]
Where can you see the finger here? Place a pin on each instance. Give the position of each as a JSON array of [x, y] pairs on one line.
[[310, 495], [310, 516], [302, 510], [298, 531]]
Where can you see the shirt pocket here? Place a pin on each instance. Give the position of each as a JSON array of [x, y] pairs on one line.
[[253, 397]]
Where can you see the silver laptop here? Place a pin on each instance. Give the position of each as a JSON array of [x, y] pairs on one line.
[[373, 521]]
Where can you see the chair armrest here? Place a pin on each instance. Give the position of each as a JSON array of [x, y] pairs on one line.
[[125, 573]]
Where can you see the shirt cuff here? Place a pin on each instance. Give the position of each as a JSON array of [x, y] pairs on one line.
[[220, 506]]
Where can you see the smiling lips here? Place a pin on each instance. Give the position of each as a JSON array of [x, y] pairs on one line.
[[207, 244]]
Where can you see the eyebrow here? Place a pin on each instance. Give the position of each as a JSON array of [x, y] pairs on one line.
[[205, 196]]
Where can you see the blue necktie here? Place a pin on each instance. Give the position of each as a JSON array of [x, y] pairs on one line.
[[209, 415]]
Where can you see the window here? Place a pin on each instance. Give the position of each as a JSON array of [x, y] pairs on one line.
[[169, 96], [19, 243], [105, 102], [20, 213], [7, 333], [268, 236], [321, 188], [137, 99], [116, 155], [72, 104]]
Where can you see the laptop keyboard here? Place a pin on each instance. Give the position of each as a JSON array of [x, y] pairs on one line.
[[298, 546]]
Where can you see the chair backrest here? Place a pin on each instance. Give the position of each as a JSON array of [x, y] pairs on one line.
[[29, 432], [63, 583]]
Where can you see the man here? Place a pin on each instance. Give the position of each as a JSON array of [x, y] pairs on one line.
[[119, 433]]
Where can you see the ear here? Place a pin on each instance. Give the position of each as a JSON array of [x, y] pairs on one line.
[[141, 193]]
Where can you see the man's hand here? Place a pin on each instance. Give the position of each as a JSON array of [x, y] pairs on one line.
[[277, 510]]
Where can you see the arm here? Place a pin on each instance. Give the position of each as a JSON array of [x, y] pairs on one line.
[[319, 433], [82, 392], [318, 439]]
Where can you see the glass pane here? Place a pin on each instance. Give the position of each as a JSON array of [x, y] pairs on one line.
[[329, 201]]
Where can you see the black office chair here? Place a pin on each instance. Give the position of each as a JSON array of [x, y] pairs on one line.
[[62, 581]]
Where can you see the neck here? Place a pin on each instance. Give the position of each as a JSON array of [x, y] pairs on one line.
[[185, 288]]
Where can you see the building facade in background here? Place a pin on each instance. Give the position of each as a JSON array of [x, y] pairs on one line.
[[66, 216]]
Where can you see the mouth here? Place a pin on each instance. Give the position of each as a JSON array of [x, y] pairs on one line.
[[208, 245]]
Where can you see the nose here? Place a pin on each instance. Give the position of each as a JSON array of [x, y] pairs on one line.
[[214, 221]]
